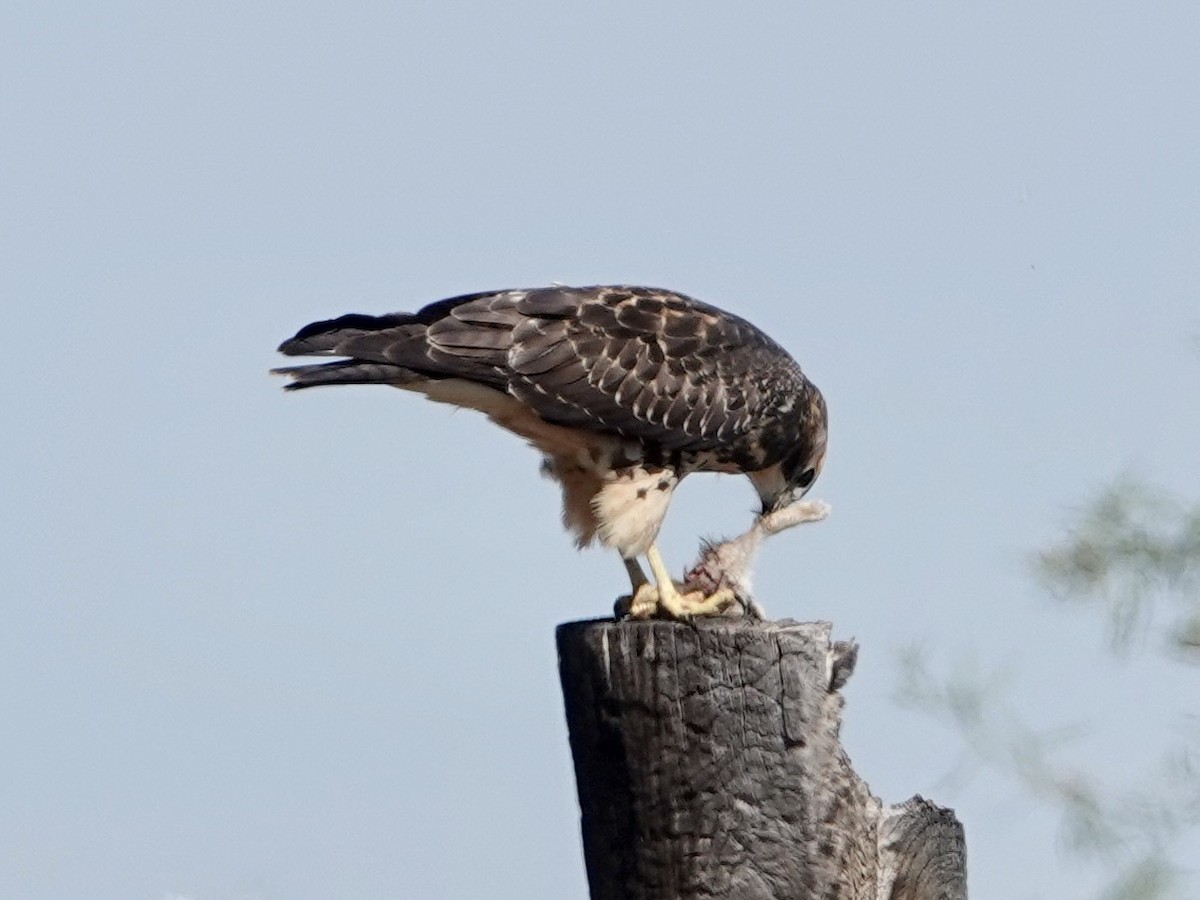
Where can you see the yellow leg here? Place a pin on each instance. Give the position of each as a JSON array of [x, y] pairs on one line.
[[675, 604], [666, 584]]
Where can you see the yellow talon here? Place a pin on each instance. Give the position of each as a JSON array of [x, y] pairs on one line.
[[664, 599], [695, 603], [644, 603]]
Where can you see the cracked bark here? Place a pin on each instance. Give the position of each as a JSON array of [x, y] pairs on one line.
[[708, 765]]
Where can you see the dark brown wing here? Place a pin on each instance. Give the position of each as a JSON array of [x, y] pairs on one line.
[[649, 364]]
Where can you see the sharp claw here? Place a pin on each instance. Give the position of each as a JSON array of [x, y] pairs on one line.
[[649, 602], [695, 603], [644, 602]]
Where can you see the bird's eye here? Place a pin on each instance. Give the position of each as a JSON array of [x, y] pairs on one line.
[[806, 478]]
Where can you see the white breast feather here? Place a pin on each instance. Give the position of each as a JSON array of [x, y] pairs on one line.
[[630, 509]]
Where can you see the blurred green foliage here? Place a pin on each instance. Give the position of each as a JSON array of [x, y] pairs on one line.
[[1130, 550], [1134, 554]]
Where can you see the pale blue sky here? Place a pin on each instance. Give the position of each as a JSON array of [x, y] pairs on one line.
[[301, 647]]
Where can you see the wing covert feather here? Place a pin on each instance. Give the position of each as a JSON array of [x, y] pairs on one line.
[[650, 364]]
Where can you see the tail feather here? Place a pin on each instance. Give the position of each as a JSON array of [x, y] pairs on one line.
[[463, 337], [324, 338], [347, 371]]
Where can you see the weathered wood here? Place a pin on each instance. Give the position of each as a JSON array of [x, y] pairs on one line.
[[708, 765], [922, 853]]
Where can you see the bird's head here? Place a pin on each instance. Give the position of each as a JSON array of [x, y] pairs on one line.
[[785, 482]]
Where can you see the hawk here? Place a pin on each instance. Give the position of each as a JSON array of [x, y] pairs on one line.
[[624, 390]]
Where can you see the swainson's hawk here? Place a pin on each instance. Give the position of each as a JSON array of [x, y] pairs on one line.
[[624, 390]]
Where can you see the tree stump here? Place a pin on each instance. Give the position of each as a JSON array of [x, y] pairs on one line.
[[708, 765]]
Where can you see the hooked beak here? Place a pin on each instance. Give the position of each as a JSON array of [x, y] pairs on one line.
[[777, 501], [773, 490]]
